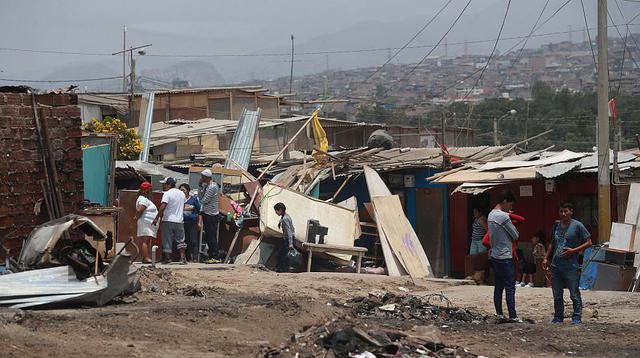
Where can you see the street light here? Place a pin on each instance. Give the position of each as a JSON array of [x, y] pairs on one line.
[[496, 141], [132, 77]]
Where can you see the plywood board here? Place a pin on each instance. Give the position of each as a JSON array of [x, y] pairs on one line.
[[376, 188], [632, 215], [401, 236], [343, 224], [622, 236], [258, 252]]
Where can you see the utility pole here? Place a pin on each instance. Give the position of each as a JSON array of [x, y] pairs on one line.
[[446, 47], [496, 141], [124, 59], [132, 76], [132, 81], [291, 75], [604, 176], [443, 128]]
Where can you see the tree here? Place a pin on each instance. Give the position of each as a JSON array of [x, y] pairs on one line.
[[129, 143]]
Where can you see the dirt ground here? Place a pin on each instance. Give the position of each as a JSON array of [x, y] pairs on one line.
[[244, 311]]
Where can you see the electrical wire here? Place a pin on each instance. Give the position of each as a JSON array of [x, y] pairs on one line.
[[486, 65], [59, 81], [533, 28], [411, 40], [586, 25], [439, 41]]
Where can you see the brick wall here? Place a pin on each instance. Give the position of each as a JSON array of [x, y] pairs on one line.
[[21, 166]]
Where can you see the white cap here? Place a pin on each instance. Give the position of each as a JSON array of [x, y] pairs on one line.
[[206, 173]]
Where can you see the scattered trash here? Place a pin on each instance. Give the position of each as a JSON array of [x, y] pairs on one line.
[[421, 308], [192, 291], [403, 289], [388, 308], [340, 339]]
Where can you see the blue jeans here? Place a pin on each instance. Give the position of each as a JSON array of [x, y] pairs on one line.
[[505, 280], [476, 247], [570, 278]]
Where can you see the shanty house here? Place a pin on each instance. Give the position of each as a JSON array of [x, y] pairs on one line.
[[223, 103], [541, 181]]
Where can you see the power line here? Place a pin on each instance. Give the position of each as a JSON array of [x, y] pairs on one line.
[[60, 81], [533, 28], [586, 25], [439, 41], [310, 53], [411, 40]]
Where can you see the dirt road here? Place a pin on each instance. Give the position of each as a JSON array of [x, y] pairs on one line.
[[247, 311]]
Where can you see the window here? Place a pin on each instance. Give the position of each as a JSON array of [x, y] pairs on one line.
[[585, 208]]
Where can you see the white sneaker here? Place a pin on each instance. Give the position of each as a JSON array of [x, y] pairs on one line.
[[518, 283], [530, 285], [523, 284]]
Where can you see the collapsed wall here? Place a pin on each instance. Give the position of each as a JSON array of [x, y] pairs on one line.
[[21, 164]]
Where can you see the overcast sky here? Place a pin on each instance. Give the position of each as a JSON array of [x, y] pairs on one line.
[[258, 26]]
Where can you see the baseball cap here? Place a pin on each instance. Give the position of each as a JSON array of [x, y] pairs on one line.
[[206, 173], [145, 185], [168, 180]]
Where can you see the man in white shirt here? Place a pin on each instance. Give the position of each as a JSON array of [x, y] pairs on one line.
[[170, 213]]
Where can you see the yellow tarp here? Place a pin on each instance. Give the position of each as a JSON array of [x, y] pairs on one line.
[[319, 137]]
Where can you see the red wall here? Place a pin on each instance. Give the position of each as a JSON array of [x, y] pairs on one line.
[[540, 210]]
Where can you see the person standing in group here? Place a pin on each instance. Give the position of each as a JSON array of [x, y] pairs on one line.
[[502, 234], [479, 229], [191, 214], [288, 232], [569, 238], [146, 211], [208, 195], [171, 212]]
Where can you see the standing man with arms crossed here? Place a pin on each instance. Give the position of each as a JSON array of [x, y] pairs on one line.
[[208, 195], [502, 233], [172, 227], [569, 238]]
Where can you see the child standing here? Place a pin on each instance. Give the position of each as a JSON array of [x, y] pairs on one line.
[[288, 232], [538, 253]]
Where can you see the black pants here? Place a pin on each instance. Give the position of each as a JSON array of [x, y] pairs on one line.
[[192, 238], [210, 223]]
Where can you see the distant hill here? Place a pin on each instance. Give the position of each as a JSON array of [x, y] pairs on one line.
[[197, 73]]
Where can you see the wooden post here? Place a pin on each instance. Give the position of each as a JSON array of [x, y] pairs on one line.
[[309, 259], [288, 144]]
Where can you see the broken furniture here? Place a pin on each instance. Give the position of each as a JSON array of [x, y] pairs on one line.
[[316, 232], [51, 244], [334, 249]]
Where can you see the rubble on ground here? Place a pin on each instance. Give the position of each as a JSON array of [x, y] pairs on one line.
[[343, 338]]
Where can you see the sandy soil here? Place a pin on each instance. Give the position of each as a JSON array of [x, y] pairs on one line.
[[246, 311]]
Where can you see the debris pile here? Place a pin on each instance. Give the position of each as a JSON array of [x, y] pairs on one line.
[[348, 339], [434, 308]]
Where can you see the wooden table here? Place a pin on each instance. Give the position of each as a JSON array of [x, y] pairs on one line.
[[336, 249]]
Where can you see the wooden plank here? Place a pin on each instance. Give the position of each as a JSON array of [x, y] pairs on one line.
[[327, 248], [376, 188], [401, 236]]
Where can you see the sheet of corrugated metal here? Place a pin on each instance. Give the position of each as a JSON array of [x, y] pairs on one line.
[[243, 139]]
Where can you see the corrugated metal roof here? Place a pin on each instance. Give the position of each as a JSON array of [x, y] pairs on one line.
[[243, 139], [256, 88], [163, 133]]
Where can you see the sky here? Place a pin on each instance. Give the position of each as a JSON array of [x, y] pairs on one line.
[[178, 30]]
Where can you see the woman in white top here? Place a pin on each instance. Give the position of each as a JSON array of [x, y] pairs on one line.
[[146, 211]]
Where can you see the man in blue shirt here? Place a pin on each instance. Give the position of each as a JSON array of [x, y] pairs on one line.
[[569, 237]]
